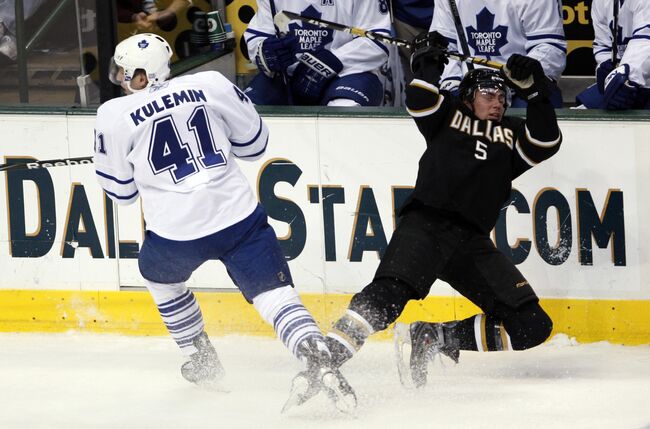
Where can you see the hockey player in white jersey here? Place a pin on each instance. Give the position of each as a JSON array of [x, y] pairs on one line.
[[174, 143], [310, 65], [497, 29], [623, 75]]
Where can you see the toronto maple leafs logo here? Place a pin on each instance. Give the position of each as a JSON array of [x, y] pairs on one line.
[[486, 39], [142, 44], [311, 37]]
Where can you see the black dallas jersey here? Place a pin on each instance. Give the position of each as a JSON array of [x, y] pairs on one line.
[[469, 164]]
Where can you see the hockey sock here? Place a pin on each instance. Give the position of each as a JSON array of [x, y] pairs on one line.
[[180, 313], [528, 325], [292, 322], [347, 336], [479, 333], [374, 308]]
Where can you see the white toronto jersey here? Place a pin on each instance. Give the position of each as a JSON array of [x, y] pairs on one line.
[[175, 144], [633, 35], [357, 54], [497, 29]]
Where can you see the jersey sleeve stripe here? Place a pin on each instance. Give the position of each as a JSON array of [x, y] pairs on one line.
[[523, 155], [424, 85], [426, 109], [560, 47], [547, 144], [639, 36], [122, 197], [380, 44], [251, 141], [254, 34], [641, 28], [114, 179], [257, 153], [546, 36]]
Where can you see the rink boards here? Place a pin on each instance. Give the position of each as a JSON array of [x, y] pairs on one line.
[[331, 183]]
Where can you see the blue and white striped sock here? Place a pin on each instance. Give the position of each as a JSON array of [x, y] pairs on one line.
[[290, 319], [180, 313], [294, 324]]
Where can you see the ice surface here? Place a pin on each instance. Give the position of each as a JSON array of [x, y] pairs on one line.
[[104, 381]]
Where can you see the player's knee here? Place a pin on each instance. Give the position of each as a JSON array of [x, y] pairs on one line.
[[531, 328], [382, 301], [165, 292]]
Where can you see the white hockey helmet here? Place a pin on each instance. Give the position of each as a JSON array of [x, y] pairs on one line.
[[146, 51]]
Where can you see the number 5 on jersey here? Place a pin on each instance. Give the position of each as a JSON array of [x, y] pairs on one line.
[[481, 151]]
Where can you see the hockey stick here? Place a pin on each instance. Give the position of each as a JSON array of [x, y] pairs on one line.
[[48, 163], [615, 35], [279, 32], [459, 30], [283, 18]]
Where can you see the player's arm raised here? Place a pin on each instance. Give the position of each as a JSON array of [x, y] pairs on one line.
[[539, 137], [424, 102], [112, 169]]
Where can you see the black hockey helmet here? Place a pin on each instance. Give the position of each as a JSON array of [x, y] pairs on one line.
[[482, 79]]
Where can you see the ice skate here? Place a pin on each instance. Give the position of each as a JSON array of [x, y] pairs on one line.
[[307, 384], [416, 345], [204, 368], [320, 377]]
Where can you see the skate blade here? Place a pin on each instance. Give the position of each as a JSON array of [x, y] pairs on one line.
[[402, 345], [344, 400], [300, 393], [216, 386]]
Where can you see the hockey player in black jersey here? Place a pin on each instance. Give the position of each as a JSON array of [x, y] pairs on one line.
[[473, 153]]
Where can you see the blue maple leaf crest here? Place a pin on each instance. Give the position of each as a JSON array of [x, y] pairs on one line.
[[486, 39], [310, 37], [143, 44]]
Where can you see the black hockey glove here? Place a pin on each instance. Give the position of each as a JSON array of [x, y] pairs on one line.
[[427, 56], [526, 76]]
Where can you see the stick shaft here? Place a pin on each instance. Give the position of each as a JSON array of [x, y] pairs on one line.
[[387, 39], [459, 30], [615, 34]]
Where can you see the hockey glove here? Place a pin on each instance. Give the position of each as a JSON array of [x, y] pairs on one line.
[[620, 93], [427, 56], [313, 73], [602, 70], [526, 76], [276, 54]]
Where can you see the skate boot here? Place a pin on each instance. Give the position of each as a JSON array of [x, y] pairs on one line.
[[204, 367], [425, 341], [320, 375]]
